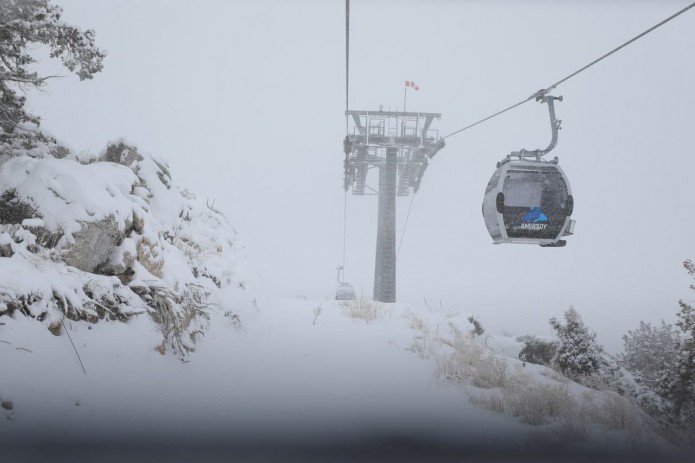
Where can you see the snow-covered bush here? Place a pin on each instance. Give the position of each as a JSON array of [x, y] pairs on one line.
[[537, 351]]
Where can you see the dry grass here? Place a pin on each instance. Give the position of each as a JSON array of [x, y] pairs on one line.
[[149, 255], [471, 363], [536, 403], [493, 402], [182, 317], [552, 402], [620, 420], [364, 309], [423, 345]]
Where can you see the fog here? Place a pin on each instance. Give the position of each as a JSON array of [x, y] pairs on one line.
[[246, 100]]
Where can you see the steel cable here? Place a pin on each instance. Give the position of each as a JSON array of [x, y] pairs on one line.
[[551, 87], [347, 101]]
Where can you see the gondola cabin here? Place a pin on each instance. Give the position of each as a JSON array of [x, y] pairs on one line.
[[345, 292], [528, 201]]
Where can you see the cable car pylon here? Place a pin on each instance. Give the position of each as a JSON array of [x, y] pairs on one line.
[[399, 144]]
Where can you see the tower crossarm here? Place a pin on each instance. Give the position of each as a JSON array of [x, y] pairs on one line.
[[408, 135]]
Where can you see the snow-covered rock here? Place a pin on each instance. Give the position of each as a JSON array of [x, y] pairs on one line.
[[110, 236]]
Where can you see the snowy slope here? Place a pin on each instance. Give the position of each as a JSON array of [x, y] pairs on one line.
[[125, 318], [275, 370], [277, 378]]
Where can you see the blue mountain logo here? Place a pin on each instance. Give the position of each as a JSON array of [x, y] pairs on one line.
[[535, 215]]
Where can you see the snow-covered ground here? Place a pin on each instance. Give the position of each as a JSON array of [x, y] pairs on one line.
[[278, 378], [277, 371], [126, 319]]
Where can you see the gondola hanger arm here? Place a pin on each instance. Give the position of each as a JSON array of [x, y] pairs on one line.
[[542, 97], [554, 122]]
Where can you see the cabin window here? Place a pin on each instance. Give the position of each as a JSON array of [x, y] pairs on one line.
[[544, 189]]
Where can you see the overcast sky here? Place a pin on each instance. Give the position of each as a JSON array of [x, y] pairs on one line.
[[245, 100]]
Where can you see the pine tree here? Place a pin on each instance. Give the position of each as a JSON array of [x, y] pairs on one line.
[[681, 388], [578, 355], [663, 360], [650, 352], [24, 24]]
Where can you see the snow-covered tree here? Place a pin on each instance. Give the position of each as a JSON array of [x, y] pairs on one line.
[[663, 360], [578, 355], [26, 23], [681, 387], [650, 352]]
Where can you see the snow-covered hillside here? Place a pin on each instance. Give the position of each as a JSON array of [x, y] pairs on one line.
[[356, 376], [125, 318]]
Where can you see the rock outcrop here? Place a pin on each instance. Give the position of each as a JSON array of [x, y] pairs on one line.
[[109, 237]]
